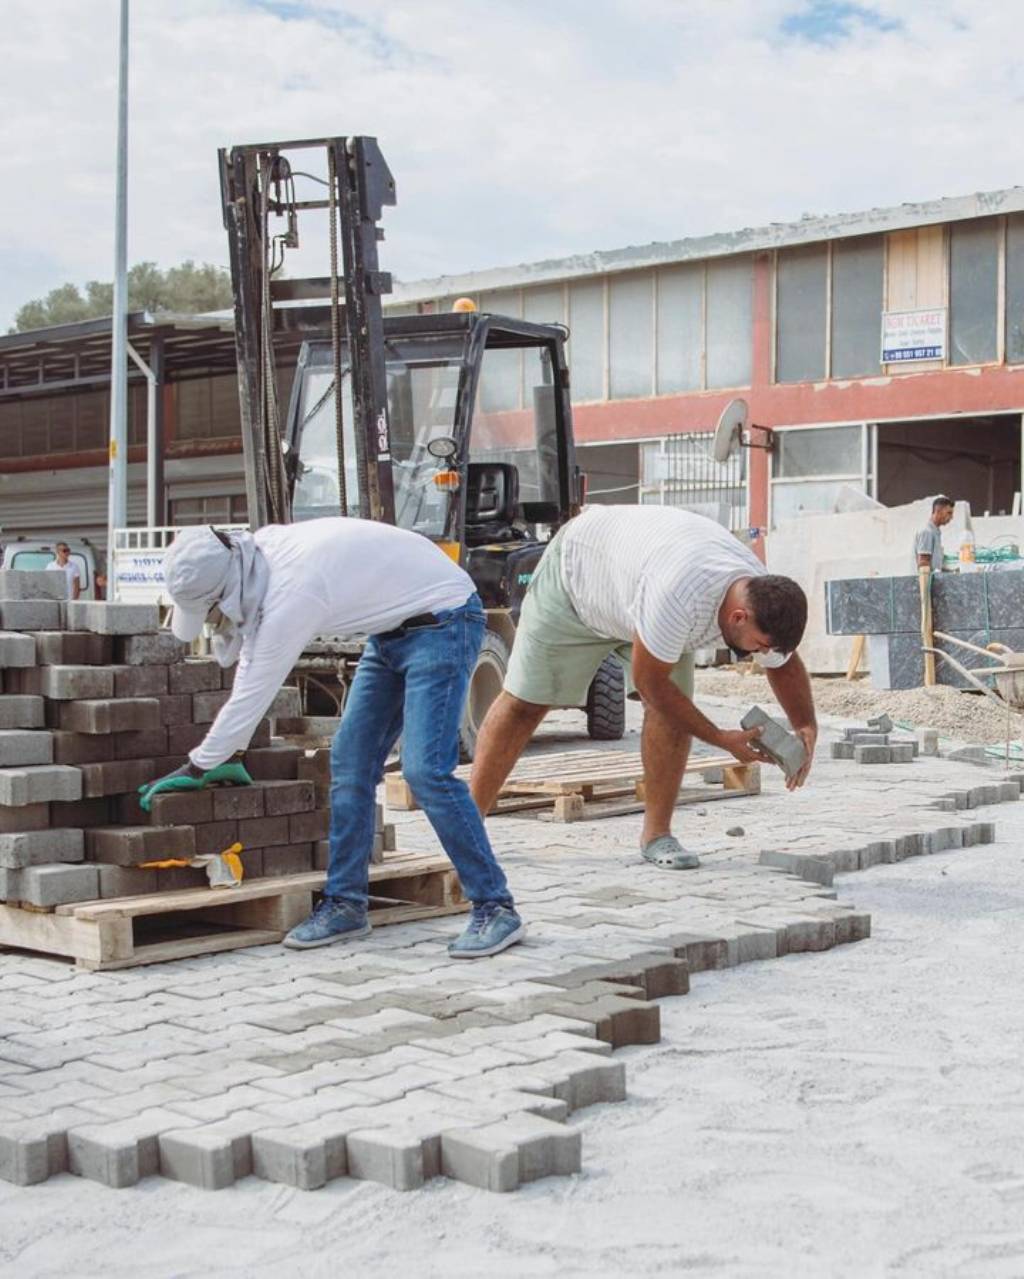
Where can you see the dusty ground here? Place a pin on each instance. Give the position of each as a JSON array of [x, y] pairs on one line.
[[969, 717]]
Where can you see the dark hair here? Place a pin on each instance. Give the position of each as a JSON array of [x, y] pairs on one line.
[[780, 609], [941, 502]]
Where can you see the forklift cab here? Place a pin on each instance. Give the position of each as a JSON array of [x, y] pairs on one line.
[[481, 454]]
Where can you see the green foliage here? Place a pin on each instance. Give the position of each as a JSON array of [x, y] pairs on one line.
[[188, 289]]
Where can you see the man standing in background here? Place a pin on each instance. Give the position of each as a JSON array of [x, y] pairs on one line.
[[64, 562], [928, 543]]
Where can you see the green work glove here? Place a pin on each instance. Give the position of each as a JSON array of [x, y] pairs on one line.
[[233, 773], [188, 777]]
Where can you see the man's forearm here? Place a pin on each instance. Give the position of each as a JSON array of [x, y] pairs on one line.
[[792, 688], [668, 700]]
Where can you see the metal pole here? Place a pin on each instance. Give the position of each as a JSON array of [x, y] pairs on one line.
[[117, 506], [152, 443]]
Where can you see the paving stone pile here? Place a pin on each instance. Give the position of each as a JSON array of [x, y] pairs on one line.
[[865, 746], [95, 701]]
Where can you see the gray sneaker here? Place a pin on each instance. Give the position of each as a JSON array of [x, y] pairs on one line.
[[491, 928], [332, 920]]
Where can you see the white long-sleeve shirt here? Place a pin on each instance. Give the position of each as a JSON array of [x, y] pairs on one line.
[[327, 577]]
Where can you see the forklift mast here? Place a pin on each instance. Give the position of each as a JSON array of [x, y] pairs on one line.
[[260, 210]]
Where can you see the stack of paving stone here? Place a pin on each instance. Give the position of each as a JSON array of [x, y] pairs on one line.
[[871, 746], [95, 700]]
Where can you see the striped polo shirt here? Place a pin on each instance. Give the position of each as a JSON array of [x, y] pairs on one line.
[[653, 571]]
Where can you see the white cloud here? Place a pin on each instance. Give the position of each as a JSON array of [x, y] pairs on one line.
[[515, 129]]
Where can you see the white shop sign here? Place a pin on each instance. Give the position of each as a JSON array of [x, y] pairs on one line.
[[139, 575], [913, 335]]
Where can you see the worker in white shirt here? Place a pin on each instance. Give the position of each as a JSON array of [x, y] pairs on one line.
[[267, 595], [649, 584], [62, 562]]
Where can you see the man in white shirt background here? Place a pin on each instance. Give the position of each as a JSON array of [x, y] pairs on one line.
[[62, 562], [651, 585], [267, 595]]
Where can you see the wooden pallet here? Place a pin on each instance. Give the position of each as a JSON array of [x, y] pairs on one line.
[[575, 785], [125, 931]]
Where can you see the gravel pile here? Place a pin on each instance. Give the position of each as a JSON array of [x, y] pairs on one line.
[[968, 716]]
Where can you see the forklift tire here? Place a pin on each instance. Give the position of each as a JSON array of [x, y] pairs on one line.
[[606, 703], [484, 686]]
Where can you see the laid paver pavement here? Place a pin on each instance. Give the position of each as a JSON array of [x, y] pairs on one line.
[[387, 1061]]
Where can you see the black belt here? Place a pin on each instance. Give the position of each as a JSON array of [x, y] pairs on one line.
[[410, 624]]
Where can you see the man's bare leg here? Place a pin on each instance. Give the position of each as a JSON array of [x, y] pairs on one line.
[[507, 727], [664, 749]]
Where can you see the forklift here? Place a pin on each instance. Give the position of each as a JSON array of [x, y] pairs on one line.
[[457, 426]]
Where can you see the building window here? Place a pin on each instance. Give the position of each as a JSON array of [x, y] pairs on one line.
[[225, 509], [857, 275], [1015, 289], [587, 340], [631, 335], [729, 322], [680, 328], [811, 466], [973, 291], [501, 375], [801, 308]]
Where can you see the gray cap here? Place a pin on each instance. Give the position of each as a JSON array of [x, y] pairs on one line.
[[197, 572]]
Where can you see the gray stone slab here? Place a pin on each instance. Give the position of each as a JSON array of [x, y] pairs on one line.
[[16, 649], [39, 847], [21, 710], [30, 615], [872, 605], [785, 748], [39, 784], [19, 584], [25, 746], [52, 885], [103, 617]]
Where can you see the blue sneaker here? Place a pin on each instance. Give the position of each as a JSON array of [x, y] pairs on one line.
[[333, 919], [491, 928]]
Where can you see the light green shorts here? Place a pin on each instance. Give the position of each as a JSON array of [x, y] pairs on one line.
[[555, 656]]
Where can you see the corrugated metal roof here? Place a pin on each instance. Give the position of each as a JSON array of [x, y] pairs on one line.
[[749, 240]]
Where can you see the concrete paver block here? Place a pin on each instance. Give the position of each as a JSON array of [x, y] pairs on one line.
[[120, 1154], [30, 615], [39, 847], [104, 714], [119, 777], [193, 677], [872, 754], [140, 681], [30, 817], [129, 845], [390, 1156], [39, 784], [902, 752], [25, 746], [19, 584], [292, 1156], [205, 706], [17, 650], [105, 617], [161, 649], [502, 1156], [72, 648], [54, 885], [21, 710], [786, 749]]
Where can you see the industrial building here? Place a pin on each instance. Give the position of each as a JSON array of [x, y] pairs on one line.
[[883, 350]]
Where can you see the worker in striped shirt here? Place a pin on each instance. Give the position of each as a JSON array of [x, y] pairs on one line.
[[650, 584]]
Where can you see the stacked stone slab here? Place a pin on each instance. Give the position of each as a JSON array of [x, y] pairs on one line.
[[98, 701], [867, 746]]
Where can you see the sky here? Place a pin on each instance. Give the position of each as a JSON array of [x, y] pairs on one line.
[[516, 130]]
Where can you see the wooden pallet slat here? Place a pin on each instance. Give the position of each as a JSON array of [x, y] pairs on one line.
[[579, 784], [152, 928]]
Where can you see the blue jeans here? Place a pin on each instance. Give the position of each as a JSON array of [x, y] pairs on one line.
[[414, 686]]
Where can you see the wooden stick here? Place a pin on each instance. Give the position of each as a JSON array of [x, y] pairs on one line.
[[924, 576], [856, 653]]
